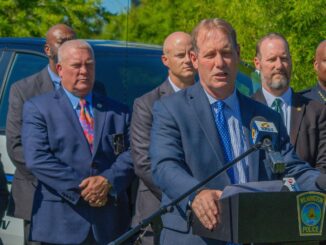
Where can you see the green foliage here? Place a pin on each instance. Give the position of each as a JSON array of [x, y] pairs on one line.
[[302, 22], [32, 18]]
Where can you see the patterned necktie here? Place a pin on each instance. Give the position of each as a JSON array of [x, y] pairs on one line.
[[224, 135], [277, 106], [87, 122]]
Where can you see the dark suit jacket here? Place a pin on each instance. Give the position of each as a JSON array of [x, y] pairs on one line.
[[3, 192], [57, 153], [307, 130], [315, 93], [148, 195], [185, 149], [24, 183]]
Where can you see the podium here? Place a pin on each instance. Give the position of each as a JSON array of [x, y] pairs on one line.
[[249, 215]]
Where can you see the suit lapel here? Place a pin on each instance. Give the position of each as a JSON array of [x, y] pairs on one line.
[[297, 112], [45, 83], [100, 108], [200, 104], [165, 88], [70, 114], [247, 111], [259, 96]]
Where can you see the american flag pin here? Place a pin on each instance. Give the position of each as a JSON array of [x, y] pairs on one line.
[[99, 106]]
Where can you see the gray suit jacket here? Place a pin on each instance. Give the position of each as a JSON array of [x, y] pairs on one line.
[[24, 183], [307, 130], [148, 195]]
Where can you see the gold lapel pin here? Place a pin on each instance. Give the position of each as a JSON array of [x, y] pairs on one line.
[[298, 108]]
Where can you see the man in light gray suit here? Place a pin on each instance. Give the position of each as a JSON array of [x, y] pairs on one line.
[[24, 182], [176, 50]]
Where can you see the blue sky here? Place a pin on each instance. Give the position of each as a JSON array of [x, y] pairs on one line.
[[116, 6]]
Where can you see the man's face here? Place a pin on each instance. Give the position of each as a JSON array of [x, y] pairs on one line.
[[320, 64], [77, 71], [55, 40], [177, 59], [216, 61], [274, 65]]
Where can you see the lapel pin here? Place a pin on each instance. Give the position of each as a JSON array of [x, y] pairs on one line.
[[99, 106], [298, 108]]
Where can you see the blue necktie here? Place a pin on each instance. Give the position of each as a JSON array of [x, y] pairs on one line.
[[224, 135]]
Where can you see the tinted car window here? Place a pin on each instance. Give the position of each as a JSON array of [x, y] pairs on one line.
[[23, 65], [125, 80]]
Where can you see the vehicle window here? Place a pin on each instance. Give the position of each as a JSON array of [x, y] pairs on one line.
[[24, 64], [125, 79]]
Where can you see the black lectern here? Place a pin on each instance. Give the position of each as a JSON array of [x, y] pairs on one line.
[[255, 216]]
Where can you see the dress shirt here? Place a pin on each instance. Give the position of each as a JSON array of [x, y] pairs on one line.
[[55, 78], [238, 139], [286, 105], [75, 102], [175, 88]]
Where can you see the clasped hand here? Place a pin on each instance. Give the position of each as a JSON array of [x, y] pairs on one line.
[[94, 190]]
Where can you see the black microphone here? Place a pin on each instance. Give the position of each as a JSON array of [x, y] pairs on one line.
[[266, 133], [321, 181]]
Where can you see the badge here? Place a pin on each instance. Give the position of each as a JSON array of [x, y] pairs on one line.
[[311, 212]]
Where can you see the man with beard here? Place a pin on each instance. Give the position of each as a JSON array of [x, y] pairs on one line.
[[304, 119], [318, 92], [176, 57], [24, 182]]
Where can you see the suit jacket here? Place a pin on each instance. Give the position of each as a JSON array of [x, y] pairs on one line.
[[24, 183], [185, 150], [307, 129], [57, 153], [315, 93], [148, 195]]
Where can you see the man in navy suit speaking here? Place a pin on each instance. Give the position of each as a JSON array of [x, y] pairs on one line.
[[197, 130], [76, 143]]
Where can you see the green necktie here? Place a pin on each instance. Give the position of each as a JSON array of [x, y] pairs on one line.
[[277, 106]]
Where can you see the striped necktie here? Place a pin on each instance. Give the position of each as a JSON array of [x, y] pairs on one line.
[[87, 122]]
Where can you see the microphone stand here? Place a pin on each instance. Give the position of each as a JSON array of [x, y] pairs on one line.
[[169, 207]]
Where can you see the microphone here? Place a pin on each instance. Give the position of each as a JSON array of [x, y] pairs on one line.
[[266, 132], [289, 184]]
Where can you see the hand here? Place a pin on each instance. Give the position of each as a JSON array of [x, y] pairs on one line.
[[98, 203], [95, 189], [205, 207]]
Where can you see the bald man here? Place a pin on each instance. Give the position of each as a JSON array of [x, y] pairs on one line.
[[24, 183], [318, 92], [181, 74]]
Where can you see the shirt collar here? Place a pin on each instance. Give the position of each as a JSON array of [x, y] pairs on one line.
[[231, 102], [175, 88], [285, 97], [75, 100], [54, 77]]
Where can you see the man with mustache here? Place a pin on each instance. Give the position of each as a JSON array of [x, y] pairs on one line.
[[176, 57], [304, 119]]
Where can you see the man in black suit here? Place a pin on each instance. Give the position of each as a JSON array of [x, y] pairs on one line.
[[176, 50], [318, 92], [46, 80], [304, 119]]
